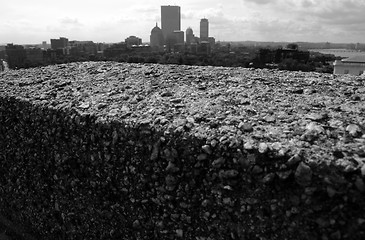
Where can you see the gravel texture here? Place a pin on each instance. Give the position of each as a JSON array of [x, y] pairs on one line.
[[130, 151]]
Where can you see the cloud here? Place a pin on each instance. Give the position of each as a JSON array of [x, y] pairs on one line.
[[209, 13], [259, 2], [325, 19], [70, 21], [340, 12], [145, 8], [335, 17], [188, 15]]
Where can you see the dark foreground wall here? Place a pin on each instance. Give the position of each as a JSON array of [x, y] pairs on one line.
[[72, 167]]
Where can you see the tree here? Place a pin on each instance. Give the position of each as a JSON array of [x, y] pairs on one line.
[[292, 46]]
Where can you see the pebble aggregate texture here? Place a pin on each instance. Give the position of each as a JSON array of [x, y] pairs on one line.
[[104, 150]]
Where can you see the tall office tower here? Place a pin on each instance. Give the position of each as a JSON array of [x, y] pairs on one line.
[[204, 29], [189, 36], [170, 20]]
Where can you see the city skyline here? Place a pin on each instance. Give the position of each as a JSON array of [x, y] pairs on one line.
[[31, 22]]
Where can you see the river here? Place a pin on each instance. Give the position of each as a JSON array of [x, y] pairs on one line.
[[344, 53]]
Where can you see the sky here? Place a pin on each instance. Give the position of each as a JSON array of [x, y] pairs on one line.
[[34, 21]]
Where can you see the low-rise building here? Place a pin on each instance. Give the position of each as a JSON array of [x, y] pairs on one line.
[[59, 43], [179, 36], [115, 50], [211, 40], [141, 49], [34, 56], [83, 48], [204, 48], [133, 41], [353, 65]]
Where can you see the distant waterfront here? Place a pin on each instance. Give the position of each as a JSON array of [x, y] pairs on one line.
[[344, 53]]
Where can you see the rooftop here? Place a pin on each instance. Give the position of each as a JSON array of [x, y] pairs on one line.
[[214, 149]]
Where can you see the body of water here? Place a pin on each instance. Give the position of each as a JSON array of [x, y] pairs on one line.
[[344, 53]]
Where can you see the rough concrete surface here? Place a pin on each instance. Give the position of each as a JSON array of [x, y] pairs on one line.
[[103, 150]]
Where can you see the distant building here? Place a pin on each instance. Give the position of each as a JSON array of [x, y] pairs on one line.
[[196, 39], [34, 56], [179, 36], [51, 56], [211, 40], [22, 57], [83, 48], [193, 48], [156, 38], [44, 45], [191, 41], [179, 45], [353, 66], [60, 44], [170, 21], [115, 50], [100, 48], [141, 49], [189, 36], [2, 53], [204, 29], [204, 48], [16, 56], [133, 41]]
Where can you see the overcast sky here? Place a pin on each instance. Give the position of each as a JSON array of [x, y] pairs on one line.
[[34, 21]]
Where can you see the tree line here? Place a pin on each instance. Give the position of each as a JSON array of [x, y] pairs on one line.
[[283, 58]]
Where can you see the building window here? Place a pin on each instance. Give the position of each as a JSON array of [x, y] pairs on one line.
[[346, 71]]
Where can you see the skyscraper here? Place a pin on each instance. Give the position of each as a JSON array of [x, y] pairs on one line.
[[204, 29], [170, 20]]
